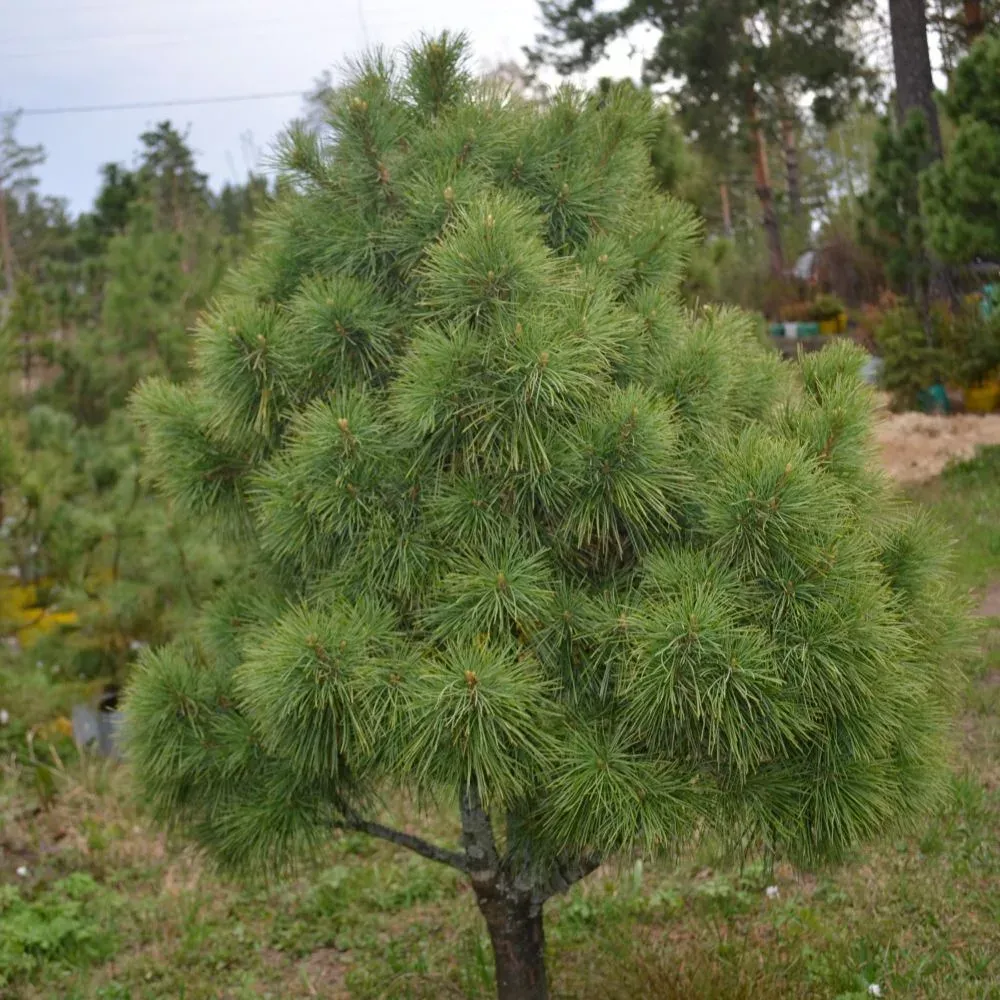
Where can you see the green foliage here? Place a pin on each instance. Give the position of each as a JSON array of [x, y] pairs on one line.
[[892, 221], [808, 45], [827, 307], [743, 70], [973, 341], [81, 526], [106, 566], [66, 925], [959, 192], [534, 531], [911, 364], [961, 346]]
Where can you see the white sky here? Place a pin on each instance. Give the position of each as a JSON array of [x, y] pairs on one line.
[[57, 53]]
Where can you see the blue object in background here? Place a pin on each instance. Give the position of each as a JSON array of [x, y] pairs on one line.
[[989, 300], [934, 399]]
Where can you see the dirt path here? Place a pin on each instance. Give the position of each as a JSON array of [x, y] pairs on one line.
[[990, 606], [917, 446]]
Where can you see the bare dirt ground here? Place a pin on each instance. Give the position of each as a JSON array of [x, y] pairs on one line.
[[917, 446]]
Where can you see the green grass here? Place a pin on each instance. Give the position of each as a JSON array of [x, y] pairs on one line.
[[967, 499], [109, 909]]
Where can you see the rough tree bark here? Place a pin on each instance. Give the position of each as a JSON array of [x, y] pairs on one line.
[[517, 934], [762, 180], [911, 60], [790, 146], [511, 893], [511, 907]]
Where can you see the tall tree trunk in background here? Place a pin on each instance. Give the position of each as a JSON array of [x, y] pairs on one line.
[[975, 23], [762, 180], [790, 146], [911, 59], [727, 214], [7, 252], [26, 361]]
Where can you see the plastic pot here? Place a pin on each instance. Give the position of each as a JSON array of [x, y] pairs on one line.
[[983, 398]]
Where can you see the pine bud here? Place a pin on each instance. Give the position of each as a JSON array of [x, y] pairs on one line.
[[543, 359], [489, 221], [471, 679], [449, 194], [342, 424], [603, 259], [501, 581]]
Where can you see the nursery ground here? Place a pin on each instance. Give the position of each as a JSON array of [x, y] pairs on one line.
[[105, 908]]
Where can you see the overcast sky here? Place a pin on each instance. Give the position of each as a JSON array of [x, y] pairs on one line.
[[59, 53]]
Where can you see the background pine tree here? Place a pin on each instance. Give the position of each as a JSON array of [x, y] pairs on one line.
[[528, 538], [960, 192]]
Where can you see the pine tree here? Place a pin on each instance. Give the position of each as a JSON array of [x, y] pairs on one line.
[[742, 67], [891, 220], [528, 539], [16, 163], [960, 193]]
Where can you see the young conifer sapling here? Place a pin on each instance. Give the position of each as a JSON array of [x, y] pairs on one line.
[[527, 538]]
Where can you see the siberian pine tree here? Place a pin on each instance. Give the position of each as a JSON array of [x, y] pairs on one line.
[[529, 540]]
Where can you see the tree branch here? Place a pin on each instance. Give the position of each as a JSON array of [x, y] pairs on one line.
[[563, 876], [418, 845]]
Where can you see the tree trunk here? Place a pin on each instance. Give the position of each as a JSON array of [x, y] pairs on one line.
[[762, 178], [727, 215], [26, 360], [7, 253], [511, 894], [911, 60], [975, 24], [791, 151], [518, 938]]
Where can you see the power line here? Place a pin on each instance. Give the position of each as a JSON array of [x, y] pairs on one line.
[[175, 103]]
